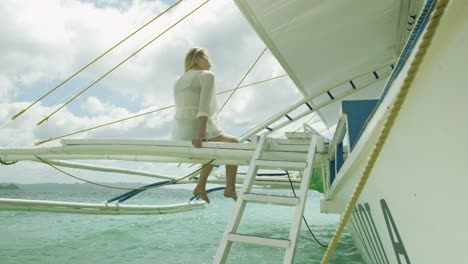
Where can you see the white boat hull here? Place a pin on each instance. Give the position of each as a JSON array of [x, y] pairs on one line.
[[412, 209]]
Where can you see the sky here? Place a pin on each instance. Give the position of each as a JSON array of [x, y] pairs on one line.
[[45, 42]]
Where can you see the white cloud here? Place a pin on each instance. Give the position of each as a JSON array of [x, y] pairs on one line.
[[63, 41], [93, 105], [6, 89], [23, 132], [45, 41]]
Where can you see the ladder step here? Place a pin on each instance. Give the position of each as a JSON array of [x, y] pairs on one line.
[[274, 199], [257, 240], [274, 164]]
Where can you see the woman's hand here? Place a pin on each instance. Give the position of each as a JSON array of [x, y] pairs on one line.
[[197, 142]]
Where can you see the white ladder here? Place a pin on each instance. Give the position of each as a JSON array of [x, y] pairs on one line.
[[245, 196]]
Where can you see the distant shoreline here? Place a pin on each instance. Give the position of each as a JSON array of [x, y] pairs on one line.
[[9, 186]]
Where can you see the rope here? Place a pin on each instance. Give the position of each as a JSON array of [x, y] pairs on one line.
[[303, 217], [118, 65], [123, 188], [207, 192], [4, 124], [146, 113], [237, 87], [123, 197], [425, 43], [92, 62], [103, 125], [251, 84]]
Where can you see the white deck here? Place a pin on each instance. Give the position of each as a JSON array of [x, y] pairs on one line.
[[160, 151]]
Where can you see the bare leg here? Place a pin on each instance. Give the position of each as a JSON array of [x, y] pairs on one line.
[[230, 191], [200, 189], [231, 170]]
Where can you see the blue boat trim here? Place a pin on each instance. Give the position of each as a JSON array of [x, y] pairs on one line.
[[339, 156], [332, 171], [358, 112], [357, 119], [410, 44]]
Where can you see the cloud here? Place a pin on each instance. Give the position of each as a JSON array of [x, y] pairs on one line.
[[23, 132], [93, 105], [145, 81], [44, 42], [6, 89]]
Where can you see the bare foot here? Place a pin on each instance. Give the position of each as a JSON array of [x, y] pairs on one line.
[[201, 194], [231, 194]]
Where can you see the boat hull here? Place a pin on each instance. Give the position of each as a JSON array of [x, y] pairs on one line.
[[413, 206]]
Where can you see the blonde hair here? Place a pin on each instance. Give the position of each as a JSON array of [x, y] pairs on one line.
[[190, 57]]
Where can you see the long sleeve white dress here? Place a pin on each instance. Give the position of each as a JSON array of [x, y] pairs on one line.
[[195, 96]]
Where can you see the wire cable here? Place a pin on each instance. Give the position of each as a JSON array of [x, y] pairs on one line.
[[123, 188], [92, 62], [118, 65], [243, 78], [146, 113], [303, 217], [103, 125]]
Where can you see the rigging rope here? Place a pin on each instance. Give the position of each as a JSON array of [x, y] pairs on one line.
[[413, 69], [146, 113], [123, 188], [237, 87], [118, 65], [254, 83], [103, 76], [123, 197], [92, 62], [99, 126]]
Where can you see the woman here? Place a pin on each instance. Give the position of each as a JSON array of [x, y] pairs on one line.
[[196, 116]]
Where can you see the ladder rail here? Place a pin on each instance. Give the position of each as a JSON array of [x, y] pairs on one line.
[[230, 235], [225, 245], [299, 211]]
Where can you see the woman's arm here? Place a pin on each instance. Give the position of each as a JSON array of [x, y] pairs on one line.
[[197, 142], [207, 94]]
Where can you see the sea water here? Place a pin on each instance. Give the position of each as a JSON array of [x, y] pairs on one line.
[[186, 237]]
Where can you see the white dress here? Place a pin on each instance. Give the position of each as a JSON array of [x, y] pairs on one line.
[[195, 96]]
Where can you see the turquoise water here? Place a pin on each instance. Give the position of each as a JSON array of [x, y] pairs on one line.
[[186, 237]]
